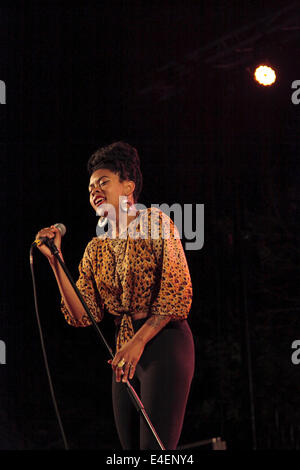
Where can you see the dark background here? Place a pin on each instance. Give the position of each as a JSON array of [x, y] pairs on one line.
[[174, 79]]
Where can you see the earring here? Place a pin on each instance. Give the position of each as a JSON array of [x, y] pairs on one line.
[[102, 221]]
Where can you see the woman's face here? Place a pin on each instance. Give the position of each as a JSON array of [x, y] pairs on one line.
[[105, 188]]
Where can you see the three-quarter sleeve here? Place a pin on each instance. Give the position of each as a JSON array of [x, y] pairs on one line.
[[87, 286], [174, 288]]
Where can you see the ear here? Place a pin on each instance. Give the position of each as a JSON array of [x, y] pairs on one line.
[[129, 187]]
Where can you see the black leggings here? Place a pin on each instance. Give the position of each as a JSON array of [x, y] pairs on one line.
[[162, 380]]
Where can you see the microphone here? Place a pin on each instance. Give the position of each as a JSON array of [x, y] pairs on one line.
[[46, 240]]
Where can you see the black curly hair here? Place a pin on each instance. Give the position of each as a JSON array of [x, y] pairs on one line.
[[122, 159]]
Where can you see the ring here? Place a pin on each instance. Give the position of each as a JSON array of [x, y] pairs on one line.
[[121, 363]]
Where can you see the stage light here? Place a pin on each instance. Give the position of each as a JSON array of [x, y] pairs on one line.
[[265, 75]]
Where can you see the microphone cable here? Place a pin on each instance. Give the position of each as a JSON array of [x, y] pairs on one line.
[[66, 445]]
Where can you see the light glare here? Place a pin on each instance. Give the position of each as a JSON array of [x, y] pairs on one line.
[[265, 75]]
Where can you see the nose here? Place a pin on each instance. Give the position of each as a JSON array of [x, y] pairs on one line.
[[96, 190]]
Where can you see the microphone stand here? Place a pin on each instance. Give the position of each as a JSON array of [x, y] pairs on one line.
[[132, 393]]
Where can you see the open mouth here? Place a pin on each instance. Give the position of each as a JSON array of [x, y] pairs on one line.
[[99, 200]]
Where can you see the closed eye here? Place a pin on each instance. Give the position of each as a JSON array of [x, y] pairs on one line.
[[98, 183]]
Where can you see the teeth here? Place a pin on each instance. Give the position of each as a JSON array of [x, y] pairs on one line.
[[98, 200]]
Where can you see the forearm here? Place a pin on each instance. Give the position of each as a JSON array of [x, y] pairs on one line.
[[66, 289], [151, 328]]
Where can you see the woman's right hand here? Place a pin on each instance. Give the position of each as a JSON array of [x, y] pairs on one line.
[[52, 233]]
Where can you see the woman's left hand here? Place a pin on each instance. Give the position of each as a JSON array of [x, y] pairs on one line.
[[129, 355]]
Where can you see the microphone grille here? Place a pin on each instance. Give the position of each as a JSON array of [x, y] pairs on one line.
[[61, 228]]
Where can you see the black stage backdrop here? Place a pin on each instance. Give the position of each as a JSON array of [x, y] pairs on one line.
[[175, 80]]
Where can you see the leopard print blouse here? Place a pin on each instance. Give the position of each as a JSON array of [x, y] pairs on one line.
[[143, 270]]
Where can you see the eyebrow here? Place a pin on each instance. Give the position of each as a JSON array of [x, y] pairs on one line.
[[97, 180]]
